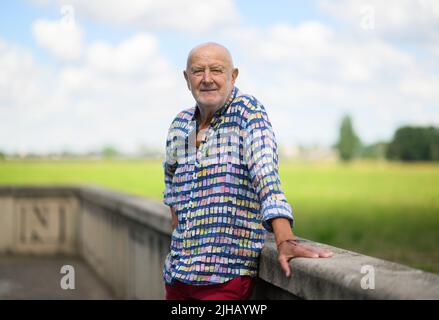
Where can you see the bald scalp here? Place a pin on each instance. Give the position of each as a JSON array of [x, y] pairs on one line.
[[210, 47]]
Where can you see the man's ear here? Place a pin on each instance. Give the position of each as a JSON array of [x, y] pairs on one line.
[[187, 80], [235, 73]]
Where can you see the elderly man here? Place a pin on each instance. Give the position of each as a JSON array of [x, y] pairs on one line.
[[222, 187]]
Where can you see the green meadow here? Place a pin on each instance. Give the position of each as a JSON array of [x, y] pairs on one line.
[[382, 209]]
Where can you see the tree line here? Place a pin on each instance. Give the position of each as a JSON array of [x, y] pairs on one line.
[[409, 143]]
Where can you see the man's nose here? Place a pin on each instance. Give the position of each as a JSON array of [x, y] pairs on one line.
[[207, 77]]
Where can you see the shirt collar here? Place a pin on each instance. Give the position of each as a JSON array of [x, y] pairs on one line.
[[221, 110]]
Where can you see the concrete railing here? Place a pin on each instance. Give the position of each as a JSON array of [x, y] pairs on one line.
[[126, 238]]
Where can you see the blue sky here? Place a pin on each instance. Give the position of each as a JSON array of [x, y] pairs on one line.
[[80, 74]]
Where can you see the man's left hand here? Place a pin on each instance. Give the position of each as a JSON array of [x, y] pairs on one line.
[[294, 249]]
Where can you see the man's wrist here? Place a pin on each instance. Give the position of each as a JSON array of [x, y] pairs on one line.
[[293, 241], [282, 229]]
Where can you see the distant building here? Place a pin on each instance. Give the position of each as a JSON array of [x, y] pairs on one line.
[[313, 153]]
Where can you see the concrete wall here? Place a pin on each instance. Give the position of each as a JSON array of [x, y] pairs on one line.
[[125, 240], [38, 222]]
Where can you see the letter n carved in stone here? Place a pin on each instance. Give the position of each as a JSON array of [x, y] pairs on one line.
[[41, 222]]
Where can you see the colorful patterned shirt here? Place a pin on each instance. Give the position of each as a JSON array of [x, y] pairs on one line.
[[224, 192]]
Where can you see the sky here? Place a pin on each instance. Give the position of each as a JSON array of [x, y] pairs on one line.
[[78, 75]]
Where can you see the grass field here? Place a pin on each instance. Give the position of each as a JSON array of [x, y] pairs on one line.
[[387, 210]]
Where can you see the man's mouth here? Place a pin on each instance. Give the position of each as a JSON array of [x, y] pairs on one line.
[[207, 90]]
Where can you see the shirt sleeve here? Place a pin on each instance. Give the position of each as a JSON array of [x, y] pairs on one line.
[[260, 154], [169, 166]]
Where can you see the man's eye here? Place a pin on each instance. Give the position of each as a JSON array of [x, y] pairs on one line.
[[197, 72], [217, 71]]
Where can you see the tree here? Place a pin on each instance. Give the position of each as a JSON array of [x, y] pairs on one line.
[[415, 144], [349, 144], [374, 151], [109, 152]]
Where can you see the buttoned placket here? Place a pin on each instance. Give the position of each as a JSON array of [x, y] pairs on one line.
[[216, 121], [199, 155], [190, 205]]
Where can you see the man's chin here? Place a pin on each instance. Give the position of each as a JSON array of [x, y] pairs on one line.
[[210, 103]]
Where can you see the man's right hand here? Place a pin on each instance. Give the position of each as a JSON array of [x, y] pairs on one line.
[[174, 221]]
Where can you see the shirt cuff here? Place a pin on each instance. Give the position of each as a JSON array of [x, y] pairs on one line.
[[275, 209], [168, 198]]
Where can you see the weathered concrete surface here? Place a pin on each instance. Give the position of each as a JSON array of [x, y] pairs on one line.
[[342, 275], [38, 222], [36, 277], [125, 239]]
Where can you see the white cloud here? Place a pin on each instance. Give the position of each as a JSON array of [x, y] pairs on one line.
[[196, 16], [62, 38], [88, 104], [25, 94], [402, 20], [309, 75], [133, 56], [41, 2]]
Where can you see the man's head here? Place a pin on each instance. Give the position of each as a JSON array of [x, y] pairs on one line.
[[210, 75]]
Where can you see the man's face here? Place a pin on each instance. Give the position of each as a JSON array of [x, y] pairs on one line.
[[210, 76]]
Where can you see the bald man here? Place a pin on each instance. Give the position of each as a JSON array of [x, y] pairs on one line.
[[222, 187]]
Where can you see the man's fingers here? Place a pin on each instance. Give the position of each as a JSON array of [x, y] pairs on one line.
[[310, 254], [322, 253], [286, 255], [305, 253], [325, 254], [285, 265], [298, 251]]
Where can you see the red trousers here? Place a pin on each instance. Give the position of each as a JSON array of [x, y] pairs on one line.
[[239, 288]]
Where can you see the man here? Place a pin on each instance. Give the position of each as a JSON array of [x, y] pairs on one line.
[[222, 186]]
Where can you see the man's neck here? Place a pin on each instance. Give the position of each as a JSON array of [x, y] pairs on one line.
[[206, 113]]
